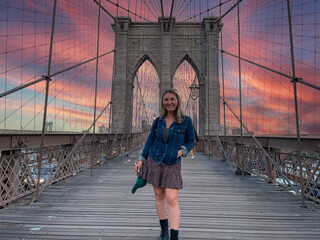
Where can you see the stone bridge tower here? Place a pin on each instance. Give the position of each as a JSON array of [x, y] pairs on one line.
[[166, 44]]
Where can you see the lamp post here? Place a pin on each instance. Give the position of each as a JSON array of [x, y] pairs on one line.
[[194, 94]]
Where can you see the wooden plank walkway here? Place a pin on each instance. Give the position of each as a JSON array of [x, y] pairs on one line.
[[215, 204]]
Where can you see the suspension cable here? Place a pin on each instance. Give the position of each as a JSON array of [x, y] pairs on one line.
[[162, 12]]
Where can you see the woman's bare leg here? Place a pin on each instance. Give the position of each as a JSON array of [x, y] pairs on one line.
[[173, 207], [161, 205]]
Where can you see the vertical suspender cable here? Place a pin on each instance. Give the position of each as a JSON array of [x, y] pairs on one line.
[[201, 84], [113, 74], [47, 78], [21, 72], [240, 94], [95, 92], [223, 95], [208, 95], [294, 81], [200, 11], [6, 70], [128, 7], [135, 16], [140, 11], [208, 91], [117, 8]]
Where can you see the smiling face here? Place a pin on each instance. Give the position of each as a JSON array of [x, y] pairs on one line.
[[170, 102]]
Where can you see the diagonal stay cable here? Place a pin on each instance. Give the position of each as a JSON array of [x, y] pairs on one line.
[[154, 14], [264, 151], [216, 135], [208, 10], [129, 11], [290, 77], [228, 11], [79, 141], [251, 62], [73, 150], [222, 51], [182, 10], [105, 10], [143, 103], [172, 6], [77, 144], [51, 75], [67, 69], [62, 71], [43, 77], [162, 12]]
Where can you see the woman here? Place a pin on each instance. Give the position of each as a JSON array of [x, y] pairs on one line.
[[171, 137]]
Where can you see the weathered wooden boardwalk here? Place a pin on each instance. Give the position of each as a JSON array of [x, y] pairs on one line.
[[215, 204]]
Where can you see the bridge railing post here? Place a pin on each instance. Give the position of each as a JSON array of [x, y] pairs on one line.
[[238, 162], [269, 165]]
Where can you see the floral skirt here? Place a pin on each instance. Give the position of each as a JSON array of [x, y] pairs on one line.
[[165, 176]]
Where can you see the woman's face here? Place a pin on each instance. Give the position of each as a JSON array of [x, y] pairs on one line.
[[170, 102]]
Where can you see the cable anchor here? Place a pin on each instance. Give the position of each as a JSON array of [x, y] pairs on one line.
[[296, 79], [46, 77]]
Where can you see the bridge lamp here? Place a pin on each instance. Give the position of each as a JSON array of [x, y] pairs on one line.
[[194, 94], [194, 89]]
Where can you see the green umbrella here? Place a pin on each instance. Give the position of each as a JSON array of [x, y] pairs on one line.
[[139, 184]]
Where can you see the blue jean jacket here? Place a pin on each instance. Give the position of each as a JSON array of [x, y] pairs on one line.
[[165, 152]]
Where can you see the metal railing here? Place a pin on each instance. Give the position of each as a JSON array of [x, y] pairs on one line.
[[19, 169], [284, 171]]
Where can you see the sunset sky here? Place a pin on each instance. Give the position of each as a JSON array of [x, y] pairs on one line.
[[267, 97]]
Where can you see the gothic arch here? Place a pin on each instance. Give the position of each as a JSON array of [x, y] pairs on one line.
[[140, 59], [165, 48], [186, 57]]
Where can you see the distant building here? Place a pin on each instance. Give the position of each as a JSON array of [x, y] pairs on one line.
[[48, 126], [236, 131], [103, 129]]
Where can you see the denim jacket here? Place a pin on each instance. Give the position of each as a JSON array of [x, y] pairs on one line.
[[165, 152]]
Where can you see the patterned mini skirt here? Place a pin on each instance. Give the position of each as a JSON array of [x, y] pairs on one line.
[[165, 176]]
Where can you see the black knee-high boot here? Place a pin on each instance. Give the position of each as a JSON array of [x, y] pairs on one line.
[[174, 234], [164, 235]]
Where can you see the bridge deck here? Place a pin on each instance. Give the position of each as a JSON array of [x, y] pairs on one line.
[[215, 204]]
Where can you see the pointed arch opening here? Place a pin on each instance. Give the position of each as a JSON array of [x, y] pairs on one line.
[[184, 79], [145, 104]]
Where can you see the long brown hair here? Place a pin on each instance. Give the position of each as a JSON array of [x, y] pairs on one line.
[[178, 114]]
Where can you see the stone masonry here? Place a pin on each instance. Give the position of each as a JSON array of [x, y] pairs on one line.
[[166, 44]]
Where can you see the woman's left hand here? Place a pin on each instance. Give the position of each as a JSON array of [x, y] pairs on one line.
[[138, 166], [179, 153]]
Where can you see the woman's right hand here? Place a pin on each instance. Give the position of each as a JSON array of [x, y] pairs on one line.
[[138, 166]]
